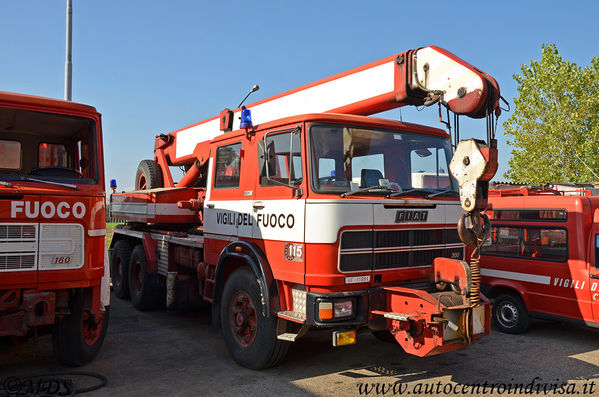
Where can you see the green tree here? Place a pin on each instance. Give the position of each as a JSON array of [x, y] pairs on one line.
[[555, 125]]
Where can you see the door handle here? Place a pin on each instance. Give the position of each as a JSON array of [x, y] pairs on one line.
[[210, 205], [258, 206], [594, 275]]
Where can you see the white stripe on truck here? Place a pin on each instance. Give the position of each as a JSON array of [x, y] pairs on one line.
[[530, 278]]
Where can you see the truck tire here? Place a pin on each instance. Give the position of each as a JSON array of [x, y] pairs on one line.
[[250, 337], [510, 314], [120, 255], [77, 337], [148, 176], [143, 287]]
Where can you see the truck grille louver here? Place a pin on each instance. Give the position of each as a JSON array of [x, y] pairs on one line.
[[17, 232], [389, 249], [18, 246], [17, 262]]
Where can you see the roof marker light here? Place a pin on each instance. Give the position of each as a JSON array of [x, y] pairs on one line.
[[246, 118]]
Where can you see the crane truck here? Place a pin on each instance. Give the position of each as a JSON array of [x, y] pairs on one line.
[[301, 211], [53, 259]]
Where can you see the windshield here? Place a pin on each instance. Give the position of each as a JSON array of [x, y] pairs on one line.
[[346, 159], [47, 146]]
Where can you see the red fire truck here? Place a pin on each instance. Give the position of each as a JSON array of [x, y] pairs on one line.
[[543, 257], [52, 224], [313, 215]]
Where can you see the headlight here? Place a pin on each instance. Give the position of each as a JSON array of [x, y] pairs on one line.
[[332, 310], [343, 308]]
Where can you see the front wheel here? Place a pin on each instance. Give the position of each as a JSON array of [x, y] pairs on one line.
[[250, 337], [77, 337], [510, 314]]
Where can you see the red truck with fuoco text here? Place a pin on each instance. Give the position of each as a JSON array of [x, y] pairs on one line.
[[53, 260], [301, 212]]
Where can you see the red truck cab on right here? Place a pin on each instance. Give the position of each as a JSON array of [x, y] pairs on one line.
[[543, 257]]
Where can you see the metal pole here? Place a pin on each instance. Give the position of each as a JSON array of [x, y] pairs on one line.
[[68, 67]]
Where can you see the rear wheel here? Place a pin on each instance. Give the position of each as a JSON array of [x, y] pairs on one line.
[[510, 314], [119, 268], [149, 175], [77, 337], [250, 337], [143, 287]]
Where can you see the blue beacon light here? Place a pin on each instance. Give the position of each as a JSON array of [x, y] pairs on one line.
[[113, 184], [246, 118]]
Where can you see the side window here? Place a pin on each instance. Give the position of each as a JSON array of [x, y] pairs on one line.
[[526, 242], [52, 155], [280, 158], [10, 154], [545, 244], [504, 241], [228, 166], [597, 251]]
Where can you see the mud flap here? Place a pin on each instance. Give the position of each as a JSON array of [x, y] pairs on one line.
[[426, 324], [105, 283]]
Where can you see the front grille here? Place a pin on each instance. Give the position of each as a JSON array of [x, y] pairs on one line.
[[393, 238], [355, 240], [18, 232], [17, 262], [390, 249], [355, 262], [61, 246], [389, 260], [18, 246]]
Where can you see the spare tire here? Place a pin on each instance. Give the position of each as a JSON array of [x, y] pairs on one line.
[[149, 175]]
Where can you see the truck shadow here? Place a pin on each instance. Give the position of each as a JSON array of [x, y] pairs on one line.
[[553, 352]]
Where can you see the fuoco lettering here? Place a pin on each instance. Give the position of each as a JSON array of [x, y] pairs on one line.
[[47, 209]]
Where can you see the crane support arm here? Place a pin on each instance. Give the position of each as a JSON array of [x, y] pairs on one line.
[[416, 77]]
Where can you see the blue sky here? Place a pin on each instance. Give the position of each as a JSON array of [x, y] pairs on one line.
[[152, 67]]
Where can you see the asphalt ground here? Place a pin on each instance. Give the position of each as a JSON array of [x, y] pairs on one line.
[[164, 353]]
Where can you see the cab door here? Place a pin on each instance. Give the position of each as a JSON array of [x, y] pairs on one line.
[[279, 205], [227, 209]]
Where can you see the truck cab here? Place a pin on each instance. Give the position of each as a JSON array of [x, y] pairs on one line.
[[362, 175], [52, 223]]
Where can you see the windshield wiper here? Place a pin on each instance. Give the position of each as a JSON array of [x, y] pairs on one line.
[[366, 189], [443, 192], [404, 192], [51, 183]]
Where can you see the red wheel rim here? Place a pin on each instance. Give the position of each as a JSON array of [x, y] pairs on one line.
[[137, 277], [244, 321], [141, 182], [91, 328]]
